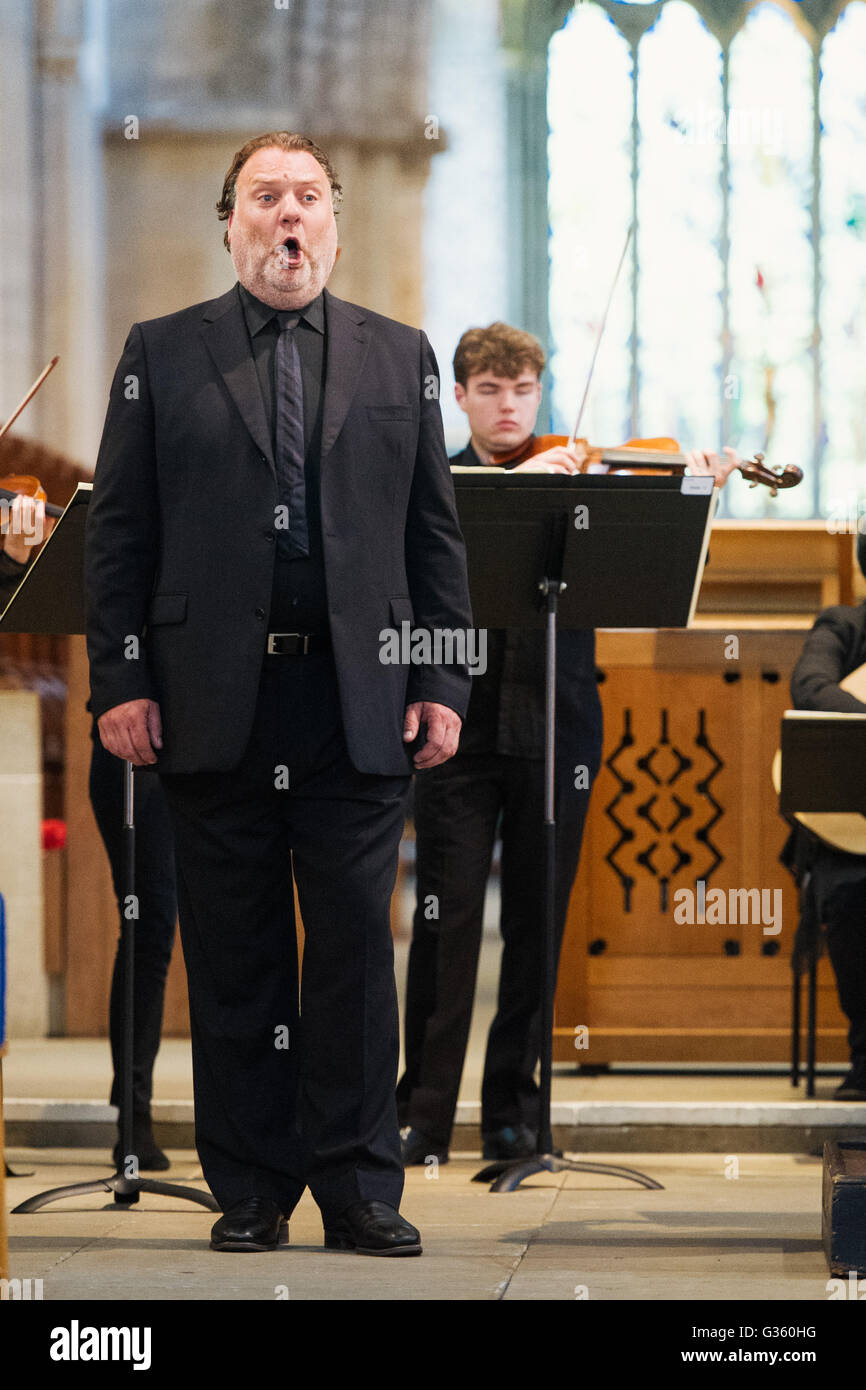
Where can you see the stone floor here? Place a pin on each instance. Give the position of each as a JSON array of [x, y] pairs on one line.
[[729, 1228], [729, 1224]]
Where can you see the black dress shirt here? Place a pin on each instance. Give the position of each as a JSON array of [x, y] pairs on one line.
[[299, 598]]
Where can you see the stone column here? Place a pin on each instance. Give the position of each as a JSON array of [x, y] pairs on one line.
[[17, 203], [67, 228]]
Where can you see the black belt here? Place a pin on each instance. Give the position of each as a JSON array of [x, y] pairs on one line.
[[297, 643]]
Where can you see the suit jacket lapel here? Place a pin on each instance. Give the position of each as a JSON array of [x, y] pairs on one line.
[[348, 339], [225, 333]]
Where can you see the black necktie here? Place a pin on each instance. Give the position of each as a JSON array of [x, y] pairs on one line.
[[291, 524]]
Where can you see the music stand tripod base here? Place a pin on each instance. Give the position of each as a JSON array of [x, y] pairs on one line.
[[125, 1187], [506, 1174], [126, 1192]]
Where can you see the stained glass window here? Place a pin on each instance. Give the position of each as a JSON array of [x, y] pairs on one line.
[[771, 263], [843, 266], [679, 300], [741, 317], [590, 200]]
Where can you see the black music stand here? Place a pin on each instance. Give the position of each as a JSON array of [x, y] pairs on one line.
[[823, 771], [585, 551], [50, 599], [823, 763]]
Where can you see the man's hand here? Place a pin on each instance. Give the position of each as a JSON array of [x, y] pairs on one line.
[[132, 730], [557, 460], [443, 732], [702, 462]]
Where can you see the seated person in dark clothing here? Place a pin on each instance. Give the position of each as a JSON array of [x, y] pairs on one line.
[[835, 648], [495, 785], [23, 526]]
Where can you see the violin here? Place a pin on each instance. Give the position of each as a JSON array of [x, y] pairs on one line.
[[661, 457]]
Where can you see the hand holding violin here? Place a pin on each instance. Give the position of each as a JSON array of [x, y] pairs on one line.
[[702, 462], [562, 458]]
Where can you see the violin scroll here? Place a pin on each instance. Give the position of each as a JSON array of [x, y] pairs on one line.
[[754, 471]]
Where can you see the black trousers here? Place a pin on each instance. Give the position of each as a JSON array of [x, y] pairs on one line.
[[845, 922], [457, 810], [289, 1092], [157, 906]]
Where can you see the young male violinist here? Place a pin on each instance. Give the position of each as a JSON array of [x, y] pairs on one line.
[[493, 784]]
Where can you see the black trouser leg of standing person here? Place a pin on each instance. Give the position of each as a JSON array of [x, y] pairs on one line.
[[283, 1101], [154, 936], [456, 811], [509, 1094], [845, 921]]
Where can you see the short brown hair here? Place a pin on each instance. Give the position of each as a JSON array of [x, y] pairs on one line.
[[280, 140], [500, 349]]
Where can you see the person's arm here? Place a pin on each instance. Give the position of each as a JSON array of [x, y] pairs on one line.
[[121, 553], [824, 662], [436, 695]]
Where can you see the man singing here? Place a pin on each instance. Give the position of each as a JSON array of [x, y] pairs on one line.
[[272, 491]]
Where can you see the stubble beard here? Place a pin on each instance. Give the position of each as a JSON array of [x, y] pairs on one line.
[[260, 274]]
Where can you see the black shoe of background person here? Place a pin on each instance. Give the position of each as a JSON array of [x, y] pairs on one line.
[[253, 1223], [416, 1148], [151, 1158], [508, 1143], [373, 1228], [853, 1086]]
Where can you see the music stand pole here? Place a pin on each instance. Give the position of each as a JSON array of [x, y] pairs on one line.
[[505, 1175]]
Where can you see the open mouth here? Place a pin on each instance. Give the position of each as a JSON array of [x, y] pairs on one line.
[[290, 252]]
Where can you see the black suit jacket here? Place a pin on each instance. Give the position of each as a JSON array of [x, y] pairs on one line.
[[180, 533], [835, 647]]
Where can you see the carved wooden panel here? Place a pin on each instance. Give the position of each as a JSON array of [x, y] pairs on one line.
[[684, 795]]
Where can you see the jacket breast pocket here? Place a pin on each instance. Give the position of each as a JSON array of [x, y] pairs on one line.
[[166, 608], [379, 413]]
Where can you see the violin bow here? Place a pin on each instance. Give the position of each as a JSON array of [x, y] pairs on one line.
[[30, 394], [573, 436]]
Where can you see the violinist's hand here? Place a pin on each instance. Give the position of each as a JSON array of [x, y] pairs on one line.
[[25, 526], [132, 730], [558, 460], [701, 462]]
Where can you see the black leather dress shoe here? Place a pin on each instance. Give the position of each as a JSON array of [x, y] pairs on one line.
[[254, 1223], [373, 1228], [510, 1142], [853, 1087], [416, 1148]]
